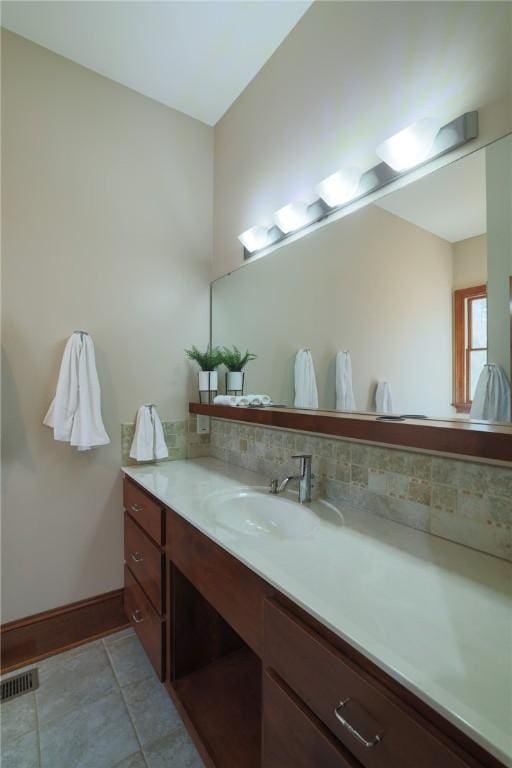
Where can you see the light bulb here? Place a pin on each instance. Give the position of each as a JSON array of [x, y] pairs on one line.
[[255, 238], [340, 187], [293, 216], [411, 146]]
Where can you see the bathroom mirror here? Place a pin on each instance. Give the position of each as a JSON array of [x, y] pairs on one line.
[[415, 286]]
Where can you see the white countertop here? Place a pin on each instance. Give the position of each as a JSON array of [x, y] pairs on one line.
[[434, 615]]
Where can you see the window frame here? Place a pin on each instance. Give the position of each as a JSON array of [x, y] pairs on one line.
[[462, 299]]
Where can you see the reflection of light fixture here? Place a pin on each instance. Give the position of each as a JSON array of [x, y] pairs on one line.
[[411, 146], [340, 187], [255, 238], [293, 216]]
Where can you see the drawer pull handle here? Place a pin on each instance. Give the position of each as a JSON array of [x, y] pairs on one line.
[[350, 728], [137, 557], [137, 507], [137, 616]]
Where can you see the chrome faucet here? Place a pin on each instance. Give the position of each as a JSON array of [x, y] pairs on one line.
[[304, 479]]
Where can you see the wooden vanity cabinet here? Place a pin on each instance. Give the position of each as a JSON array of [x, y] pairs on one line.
[[292, 736], [144, 593], [364, 716], [258, 681], [230, 587]]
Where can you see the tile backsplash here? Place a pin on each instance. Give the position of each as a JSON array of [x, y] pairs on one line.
[[181, 438], [465, 501]]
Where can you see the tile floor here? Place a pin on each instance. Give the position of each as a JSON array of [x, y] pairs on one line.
[[97, 706]]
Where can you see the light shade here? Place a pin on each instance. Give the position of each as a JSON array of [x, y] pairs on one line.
[[340, 187], [293, 216], [411, 146], [255, 238]]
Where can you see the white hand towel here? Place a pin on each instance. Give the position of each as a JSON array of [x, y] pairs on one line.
[[345, 400], [75, 411], [148, 441], [306, 393], [383, 402], [492, 395]]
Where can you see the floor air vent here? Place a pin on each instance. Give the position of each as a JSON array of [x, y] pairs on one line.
[[20, 684]]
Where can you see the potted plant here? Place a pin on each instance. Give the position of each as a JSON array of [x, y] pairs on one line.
[[235, 362], [208, 363]]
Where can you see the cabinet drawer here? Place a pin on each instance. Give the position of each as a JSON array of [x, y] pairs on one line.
[[145, 561], [291, 737], [323, 678], [144, 510], [145, 620], [231, 588]]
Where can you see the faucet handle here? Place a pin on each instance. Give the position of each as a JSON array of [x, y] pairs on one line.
[[274, 486], [305, 462]]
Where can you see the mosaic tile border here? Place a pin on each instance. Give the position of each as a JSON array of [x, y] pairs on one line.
[[464, 501]]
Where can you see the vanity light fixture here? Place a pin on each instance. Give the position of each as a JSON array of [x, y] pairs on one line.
[[255, 238], [410, 147], [421, 142], [292, 217], [340, 187]]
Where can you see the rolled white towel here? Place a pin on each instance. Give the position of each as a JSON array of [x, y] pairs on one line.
[[345, 400], [148, 441], [246, 400], [383, 402], [243, 401], [225, 400], [306, 392], [492, 395]]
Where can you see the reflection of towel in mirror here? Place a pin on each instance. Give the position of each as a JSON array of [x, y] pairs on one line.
[[492, 395], [306, 393], [148, 441], [75, 412], [345, 400], [383, 402]]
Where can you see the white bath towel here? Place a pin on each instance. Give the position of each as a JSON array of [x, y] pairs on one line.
[[383, 402], [148, 441], [492, 395], [345, 400], [242, 400], [306, 393], [75, 412]]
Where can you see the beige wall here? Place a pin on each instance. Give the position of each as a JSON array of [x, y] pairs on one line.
[[470, 262], [107, 219], [371, 283], [348, 76]]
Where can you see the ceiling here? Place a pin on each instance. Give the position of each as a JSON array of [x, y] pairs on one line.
[[449, 202], [196, 57]]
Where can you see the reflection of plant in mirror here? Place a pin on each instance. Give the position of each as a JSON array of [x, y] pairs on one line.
[[234, 360], [208, 360]]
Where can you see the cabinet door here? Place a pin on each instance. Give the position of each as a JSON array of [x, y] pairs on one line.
[[292, 736]]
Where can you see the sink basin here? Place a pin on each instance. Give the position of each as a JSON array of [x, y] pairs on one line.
[[253, 511]]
